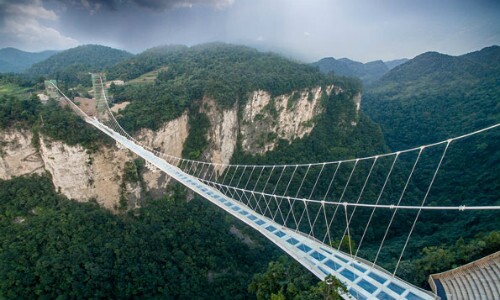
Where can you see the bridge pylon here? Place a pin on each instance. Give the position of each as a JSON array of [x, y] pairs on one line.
[[100, 95], [51, 89]]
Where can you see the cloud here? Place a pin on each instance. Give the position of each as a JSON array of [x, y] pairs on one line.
[[156, 5], [169, 4], [21, 27]]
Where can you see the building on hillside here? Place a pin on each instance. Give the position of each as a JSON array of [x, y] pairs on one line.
[[43, 98], [115, 82], [479, 279]]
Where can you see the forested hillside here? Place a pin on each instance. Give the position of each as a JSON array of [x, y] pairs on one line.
[[50, 119], [72, 66], [225, 73], [367, 73], [434, 97], [451, 95], [15, 60], [53, 247], [171, 249]]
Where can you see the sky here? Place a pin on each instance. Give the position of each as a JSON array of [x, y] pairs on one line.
[[305, 30]]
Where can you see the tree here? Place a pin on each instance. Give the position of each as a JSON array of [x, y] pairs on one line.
[[286, 279]]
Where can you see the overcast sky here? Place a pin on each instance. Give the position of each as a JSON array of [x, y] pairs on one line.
[[307, 30]]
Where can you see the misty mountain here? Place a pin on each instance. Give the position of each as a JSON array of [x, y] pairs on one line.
[[391, 64], [13, 60], [488, 57], [73, 65], [368, 72], [436, 94], [434, 97]]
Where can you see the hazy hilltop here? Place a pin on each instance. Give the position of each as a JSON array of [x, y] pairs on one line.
[[434, 96], [391, 64], [367, 72], [13, 60], [73, 65]]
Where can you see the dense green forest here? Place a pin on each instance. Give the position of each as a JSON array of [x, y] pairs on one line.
[[171, 249], [51, 119], [450, 95], [73, 66], [431, 98]]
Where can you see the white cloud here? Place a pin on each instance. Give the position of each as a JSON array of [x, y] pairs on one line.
[[21, 27], [167, 4]]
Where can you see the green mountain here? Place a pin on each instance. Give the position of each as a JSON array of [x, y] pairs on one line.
[[434, 97], [13, 60], [368, 72], [450, 94], [53, 247], [73, 65], [391, 64]]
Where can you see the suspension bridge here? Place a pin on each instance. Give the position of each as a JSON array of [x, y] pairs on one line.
[[308, 210]]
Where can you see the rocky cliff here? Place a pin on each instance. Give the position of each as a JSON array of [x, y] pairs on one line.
[[76, 173], [82, 175], [266, 119]]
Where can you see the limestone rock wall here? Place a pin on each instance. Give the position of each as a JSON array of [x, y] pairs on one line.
[[81, 175], [17, 154], [75, 172], [223, 134], [266, 119], [168, 139]]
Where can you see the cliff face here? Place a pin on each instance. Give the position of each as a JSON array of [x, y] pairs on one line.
[[223, 134], [17, 155], [81, 175], [75, 173], [288, 117], [168, 139]]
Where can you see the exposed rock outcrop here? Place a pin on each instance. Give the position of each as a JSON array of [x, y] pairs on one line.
[[168, 139], [75, 172], [81, 175], [223, 134], [17, 154], [266, 119]]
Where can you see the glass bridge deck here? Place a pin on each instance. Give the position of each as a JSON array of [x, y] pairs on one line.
[[363, 281]]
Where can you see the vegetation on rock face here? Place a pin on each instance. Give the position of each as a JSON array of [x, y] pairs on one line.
[[51, 120], [196, 142], [225, 73]]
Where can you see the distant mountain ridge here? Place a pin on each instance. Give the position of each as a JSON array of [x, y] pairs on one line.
[[453, 93], [73, 65], [367, 72], [13, 60]]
